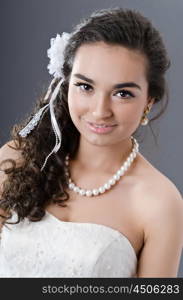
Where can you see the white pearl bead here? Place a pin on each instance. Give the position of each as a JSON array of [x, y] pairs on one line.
[[135, 154], [120, 172], [112, 181], [101, 189], [116, 177], [128, 163], [122, 169], [125, 165], [131, 157], [71, 186], [129, 160], [107, 186], [88, 193], [82, 192], [76, 189], [95, 192]]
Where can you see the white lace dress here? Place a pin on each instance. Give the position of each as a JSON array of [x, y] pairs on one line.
[[54, 248]]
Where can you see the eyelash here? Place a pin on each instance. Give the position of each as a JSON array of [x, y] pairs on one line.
[[124, 91]]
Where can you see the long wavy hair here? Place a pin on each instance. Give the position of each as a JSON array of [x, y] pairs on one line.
[[26, 189]]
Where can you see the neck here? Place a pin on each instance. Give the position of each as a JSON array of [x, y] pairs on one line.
[[107, 159]]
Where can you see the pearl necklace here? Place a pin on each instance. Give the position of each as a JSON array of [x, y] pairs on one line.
[[111, 182]]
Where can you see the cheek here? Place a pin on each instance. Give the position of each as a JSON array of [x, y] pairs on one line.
[[130, 113], [72, 102], [129, 117], [77, 107]]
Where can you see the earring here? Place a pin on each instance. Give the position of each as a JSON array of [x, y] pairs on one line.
[[145, 120]]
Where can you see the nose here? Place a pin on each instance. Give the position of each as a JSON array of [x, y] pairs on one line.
[[101, 108]]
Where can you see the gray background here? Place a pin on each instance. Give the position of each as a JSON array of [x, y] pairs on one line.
[[26, 28]]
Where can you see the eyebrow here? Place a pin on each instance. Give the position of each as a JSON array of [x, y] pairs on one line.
[[116, 86]]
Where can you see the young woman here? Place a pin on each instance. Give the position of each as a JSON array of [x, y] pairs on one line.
[[83, 199]]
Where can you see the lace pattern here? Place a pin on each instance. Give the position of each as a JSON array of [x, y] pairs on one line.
[[52, 248]]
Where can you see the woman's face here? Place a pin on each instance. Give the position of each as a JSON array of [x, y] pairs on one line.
[[108, 92]]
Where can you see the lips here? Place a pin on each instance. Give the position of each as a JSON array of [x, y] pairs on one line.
[[100, 128], [101, 125]]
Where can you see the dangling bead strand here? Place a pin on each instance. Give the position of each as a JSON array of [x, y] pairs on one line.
[[111, 182]]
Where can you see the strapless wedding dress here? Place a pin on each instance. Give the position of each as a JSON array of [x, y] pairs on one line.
[[54, 248]]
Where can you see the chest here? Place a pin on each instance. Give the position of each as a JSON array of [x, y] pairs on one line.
[[115, 209], [64, 249]]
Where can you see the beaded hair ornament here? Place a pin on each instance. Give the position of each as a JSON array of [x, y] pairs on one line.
[[56, 56]]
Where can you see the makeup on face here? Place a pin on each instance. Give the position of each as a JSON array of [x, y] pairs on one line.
[[107, 92], [100, 128]]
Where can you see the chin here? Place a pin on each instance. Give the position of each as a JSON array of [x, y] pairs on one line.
[[99, 141]]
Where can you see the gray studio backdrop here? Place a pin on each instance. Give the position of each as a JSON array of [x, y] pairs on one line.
[[26, 29]]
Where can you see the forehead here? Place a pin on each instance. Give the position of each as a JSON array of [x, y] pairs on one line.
[[112, 62]]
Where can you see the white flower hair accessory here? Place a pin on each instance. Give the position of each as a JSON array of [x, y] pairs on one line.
[[56, 55]]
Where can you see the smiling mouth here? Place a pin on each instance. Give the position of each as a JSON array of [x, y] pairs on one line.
[[101, 125], [100, 128]]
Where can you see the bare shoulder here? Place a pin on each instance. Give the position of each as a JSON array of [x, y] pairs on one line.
[[160, 199], [7, 152], [156, 186], [10, 151], [160, 213]]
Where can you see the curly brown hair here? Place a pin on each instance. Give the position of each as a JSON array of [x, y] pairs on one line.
[[27, 190]]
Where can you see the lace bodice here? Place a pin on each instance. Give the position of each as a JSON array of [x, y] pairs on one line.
[[54, 248]]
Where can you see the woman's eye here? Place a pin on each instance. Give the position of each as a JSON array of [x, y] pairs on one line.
[[83, 86], [125, 94]]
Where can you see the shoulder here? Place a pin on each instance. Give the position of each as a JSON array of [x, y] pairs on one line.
[[161, 201], [159, 209], [10, 151], [161, 218], [164, 207], [7, 152]]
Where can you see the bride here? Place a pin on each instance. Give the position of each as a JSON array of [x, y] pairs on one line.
[[84, 200]]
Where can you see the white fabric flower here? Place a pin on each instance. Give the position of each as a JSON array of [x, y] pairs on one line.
[[56, 54]]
